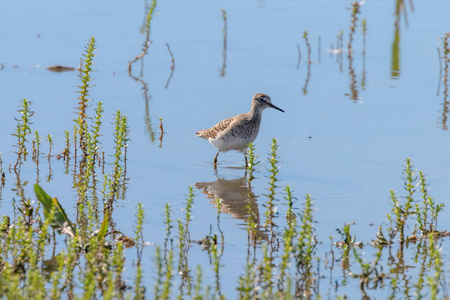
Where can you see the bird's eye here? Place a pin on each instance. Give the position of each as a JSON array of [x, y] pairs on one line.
[[261, 99]]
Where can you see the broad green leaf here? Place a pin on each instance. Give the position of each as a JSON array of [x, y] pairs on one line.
[[59, 220], [104, 227]]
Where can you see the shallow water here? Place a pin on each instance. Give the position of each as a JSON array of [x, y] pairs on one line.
[[346, 153]]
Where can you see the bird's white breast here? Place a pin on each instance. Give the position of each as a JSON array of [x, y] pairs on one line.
[[226, 144]]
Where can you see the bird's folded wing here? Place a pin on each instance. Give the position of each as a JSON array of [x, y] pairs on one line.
[[217, 130]]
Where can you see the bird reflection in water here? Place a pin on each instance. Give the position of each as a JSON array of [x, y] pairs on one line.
[[238, 200]]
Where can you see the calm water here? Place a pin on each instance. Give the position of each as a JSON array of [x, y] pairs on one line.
[[346, 153]]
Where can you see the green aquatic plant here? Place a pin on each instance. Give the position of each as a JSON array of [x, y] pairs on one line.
[[273, 179], [36, 147], [140, 216], [22, 131], [306, 240], [188, 210], [288, 241], [95, 133], [66, 151], [88, 164], [184, 245], [24, 269], [85, 87], [113, 188], [424, 211], [168, 222], [251, 162], [247, 282], [50, 145], [86, 78]]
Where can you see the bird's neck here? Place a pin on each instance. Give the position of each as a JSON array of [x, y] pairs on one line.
[[255, 113]]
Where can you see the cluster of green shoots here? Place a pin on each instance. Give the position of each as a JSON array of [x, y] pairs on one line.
[[29, 270], [115, 184], [252, 162], [26, 239], [422, 213], [189, 285], [22, 131], [290, 273], [273, 179]]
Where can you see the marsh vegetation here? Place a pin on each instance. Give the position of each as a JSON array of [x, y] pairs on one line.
[[95, 206]]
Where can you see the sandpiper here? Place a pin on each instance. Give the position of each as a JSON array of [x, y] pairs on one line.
[[237, 132]]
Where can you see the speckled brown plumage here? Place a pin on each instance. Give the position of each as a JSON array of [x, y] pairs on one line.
[[216, 130], [237, 132]]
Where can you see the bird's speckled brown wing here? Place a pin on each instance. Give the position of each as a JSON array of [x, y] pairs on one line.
[[217, 130]]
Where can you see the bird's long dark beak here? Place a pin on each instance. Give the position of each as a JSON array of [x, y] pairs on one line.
[[273, 106]]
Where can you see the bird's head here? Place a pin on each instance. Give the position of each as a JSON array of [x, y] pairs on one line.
[[262, 101]]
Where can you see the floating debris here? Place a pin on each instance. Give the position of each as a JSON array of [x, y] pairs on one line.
[[59, 69]]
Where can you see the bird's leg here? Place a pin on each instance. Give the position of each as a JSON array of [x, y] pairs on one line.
[[215, 159]]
